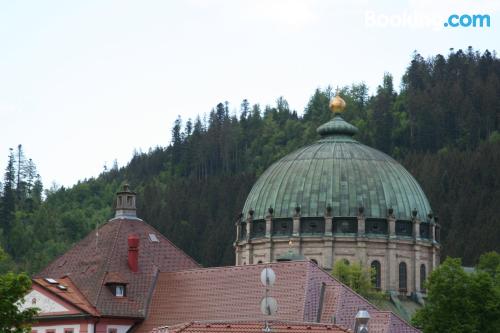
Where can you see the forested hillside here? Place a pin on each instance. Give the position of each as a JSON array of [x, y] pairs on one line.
[[443, 125]]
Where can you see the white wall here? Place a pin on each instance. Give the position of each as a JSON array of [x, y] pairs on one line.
[[58, 328], [44, 303]]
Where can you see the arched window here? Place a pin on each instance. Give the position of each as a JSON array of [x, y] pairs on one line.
[[260, 262], [402, 277], [376, 274], [423, 276], [314, 261]]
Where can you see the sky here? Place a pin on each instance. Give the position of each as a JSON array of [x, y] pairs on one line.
[[83, 83]]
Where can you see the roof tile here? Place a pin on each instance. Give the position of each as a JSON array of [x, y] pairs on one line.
[[250, 326], [234, 293], [90, 260]]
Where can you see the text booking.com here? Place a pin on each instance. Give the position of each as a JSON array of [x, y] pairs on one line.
[[466, 20], [426, 20]]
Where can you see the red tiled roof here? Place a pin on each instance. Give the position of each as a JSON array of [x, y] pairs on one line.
[[71, 294], [251, 326], [234, 293], [225, 293], [115, 277], [90, 260]]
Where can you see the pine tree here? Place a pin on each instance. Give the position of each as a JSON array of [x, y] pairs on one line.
[[20, 174], [382, 115], [9, 197]]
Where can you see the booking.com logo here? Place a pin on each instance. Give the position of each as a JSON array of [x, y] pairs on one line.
[[425, 19], [466, 21]]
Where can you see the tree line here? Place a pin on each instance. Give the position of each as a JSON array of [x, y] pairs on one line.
[[442, 125]]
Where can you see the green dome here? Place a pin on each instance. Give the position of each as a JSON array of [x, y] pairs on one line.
[[340, 172]]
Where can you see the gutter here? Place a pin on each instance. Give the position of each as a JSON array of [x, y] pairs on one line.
[[76, 316]]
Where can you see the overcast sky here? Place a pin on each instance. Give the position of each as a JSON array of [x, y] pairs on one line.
[[85, 82]]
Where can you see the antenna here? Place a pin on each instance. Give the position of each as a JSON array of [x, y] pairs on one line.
[[268, 305]]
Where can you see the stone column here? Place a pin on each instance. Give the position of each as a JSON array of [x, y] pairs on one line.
[[238, 230], [391, 223], [269, 224], [432, 232], [269, 221], [328, 241], [360, 244], [249, 253], [248, 245], [328, 222], [249, 223], [296, 222], [436, 230], [415, 264], [416, 225], [434, 262], [237, 254], [416, 229], [361, 221], [391, 267]]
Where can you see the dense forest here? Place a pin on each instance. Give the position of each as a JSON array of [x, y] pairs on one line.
[[442, 125]]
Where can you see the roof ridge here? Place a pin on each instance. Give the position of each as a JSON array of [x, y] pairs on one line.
[[77, 290], [151, 290], [181, 327], [368, 301], [108, 260], [207, 269], [53, 261], [306, 288], [399, 317]]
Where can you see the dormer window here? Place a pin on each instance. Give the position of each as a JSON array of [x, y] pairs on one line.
[[119, 290], [116, 284]]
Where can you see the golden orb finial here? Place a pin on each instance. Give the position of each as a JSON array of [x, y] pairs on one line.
[[337, 104]]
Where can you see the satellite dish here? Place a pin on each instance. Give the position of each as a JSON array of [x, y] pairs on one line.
[[268, 306], [267, 277]]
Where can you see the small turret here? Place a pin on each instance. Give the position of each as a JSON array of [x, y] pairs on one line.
[[125, 203]]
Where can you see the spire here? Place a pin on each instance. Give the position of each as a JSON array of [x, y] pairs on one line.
[[337, 126], [125, 203]]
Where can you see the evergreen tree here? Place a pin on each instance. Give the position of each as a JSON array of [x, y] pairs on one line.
[[446, 114], [382, 105], [9, 197]]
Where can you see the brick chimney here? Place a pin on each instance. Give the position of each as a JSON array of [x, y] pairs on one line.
[[133, 253], [125, 203]]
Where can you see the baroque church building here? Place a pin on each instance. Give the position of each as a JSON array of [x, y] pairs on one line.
[[338, 199], [333, 200]]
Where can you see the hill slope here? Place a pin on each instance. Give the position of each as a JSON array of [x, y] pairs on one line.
[[443, 126]]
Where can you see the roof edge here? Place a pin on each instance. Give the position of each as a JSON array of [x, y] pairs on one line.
[[97, 314]]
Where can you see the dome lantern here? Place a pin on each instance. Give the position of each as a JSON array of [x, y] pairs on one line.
[[337, 126]]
